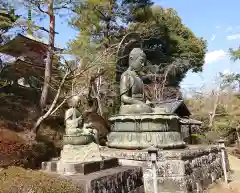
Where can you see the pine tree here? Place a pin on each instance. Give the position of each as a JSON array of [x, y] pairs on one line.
[[137, 10]]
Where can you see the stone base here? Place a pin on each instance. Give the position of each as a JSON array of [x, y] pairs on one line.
[[121, 179], [81, 153], [143, 140], [188, 170], [71, 168], [77, 139], [145, 130]]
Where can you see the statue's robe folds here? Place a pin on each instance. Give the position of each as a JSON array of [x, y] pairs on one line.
[[132, 86], [73, 121]]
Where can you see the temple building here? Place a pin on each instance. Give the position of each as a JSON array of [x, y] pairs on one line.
[[29, 59], [188, 126]]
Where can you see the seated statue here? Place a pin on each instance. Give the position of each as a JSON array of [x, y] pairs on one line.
[[73, 118], [131, 86]]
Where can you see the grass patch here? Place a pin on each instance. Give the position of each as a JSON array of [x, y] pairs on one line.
[[19, 180]]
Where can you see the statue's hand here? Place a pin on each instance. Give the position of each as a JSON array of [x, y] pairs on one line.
[[148, 102], [140, 103], [80, 120]]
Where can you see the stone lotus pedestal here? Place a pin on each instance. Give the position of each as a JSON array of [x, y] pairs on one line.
[[145, 130]]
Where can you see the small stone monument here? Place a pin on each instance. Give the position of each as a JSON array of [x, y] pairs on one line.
[[80, 141], [81, 160]]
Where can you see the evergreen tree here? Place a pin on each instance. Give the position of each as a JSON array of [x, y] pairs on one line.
[[137, 10], [235, 54], [168, 43]]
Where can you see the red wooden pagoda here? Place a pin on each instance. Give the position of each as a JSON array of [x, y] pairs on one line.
[[29, 54]]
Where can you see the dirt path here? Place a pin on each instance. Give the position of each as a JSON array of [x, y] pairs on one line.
[[234, 185]]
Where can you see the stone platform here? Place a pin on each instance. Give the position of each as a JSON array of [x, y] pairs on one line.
[[185, 170], [121, 179], [79, 168], [105, 176]]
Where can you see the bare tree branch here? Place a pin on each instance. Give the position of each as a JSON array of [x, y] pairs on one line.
[[64, 6], [39, 121], [44, 29], [59, 106], [40, 9]]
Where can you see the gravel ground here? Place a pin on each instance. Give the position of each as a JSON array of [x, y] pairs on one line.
[[234, 185]]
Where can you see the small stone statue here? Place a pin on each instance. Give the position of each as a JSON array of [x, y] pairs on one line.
[[131, 86], [81, 139], [73, 118]]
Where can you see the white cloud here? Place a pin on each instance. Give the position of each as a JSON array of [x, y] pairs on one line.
[[229, 28], [218, 27], [226, 72], [213, 37], [233, 37], [214, 56]]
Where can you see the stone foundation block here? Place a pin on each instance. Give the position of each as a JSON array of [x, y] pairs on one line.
[[105, 176], [186, 170]]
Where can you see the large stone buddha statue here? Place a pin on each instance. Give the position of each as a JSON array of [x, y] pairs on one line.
[[139, 125], [133, 100]]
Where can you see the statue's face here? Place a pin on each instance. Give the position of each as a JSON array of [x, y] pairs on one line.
[[137, 62], [74, 101]]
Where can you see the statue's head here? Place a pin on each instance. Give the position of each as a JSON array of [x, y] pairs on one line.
[[73, 101], [137, 59]]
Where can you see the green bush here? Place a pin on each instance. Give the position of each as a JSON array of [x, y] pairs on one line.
[[19, 180]]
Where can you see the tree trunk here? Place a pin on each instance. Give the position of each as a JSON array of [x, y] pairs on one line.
[[213, 113], [48, 67], [190, 134], [239, 86]]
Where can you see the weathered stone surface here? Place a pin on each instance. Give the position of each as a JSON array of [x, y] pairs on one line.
[[81, 153], [77, 139], [83, 168], [144, 122], [122, 179], [50, 166], [185, 170], [140, 140], [144, 130]]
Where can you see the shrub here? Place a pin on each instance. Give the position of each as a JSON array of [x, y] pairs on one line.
[[19, 180], [16, 151], [13, 149]]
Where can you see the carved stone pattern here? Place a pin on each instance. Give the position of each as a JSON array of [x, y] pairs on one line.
[[126, 181], [145, 139], [80, 153], [178, 170]]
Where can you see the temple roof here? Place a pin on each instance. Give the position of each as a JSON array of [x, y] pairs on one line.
[[174, 106], [187, 121], [22, 44], [178, 107], [21, 68]]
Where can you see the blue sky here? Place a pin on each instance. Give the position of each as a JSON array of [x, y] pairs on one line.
[[216, 21]]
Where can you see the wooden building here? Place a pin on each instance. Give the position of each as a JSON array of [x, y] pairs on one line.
[[29, 58], [178, 107]]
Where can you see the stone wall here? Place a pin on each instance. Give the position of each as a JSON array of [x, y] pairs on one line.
[[185, 170]]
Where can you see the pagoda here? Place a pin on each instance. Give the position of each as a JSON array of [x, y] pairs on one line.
[[29, 57]]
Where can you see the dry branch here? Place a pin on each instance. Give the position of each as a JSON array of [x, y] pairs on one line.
[[42, 118]]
